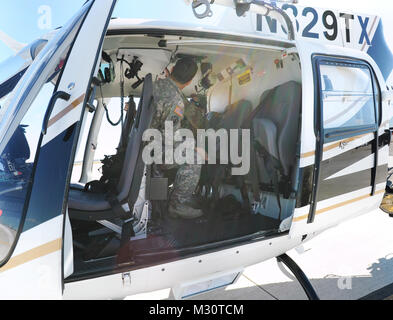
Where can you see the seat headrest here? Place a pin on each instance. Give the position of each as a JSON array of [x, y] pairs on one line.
[[281, 105], [235, 114]]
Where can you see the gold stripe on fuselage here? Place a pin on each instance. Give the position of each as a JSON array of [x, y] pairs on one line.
[[338, 205], [32, 254], [334, 145], [66, 110]]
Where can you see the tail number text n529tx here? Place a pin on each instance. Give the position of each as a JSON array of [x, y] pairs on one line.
[[316, 24]]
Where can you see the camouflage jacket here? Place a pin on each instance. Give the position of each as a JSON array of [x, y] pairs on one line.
[[172, 105]]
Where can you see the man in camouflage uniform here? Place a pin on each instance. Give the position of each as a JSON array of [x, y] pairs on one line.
[[172, 105]]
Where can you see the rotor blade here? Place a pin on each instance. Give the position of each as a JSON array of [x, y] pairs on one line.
[[11, 43]]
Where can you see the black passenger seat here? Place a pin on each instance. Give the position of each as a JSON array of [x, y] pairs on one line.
[[84, 205]]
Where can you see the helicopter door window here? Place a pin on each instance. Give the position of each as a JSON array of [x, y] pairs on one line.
[[347, 96], [16, 169], [9, 79], [17, 161]]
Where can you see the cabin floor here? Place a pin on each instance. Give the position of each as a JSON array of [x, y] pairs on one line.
[[165, 237], [352, 261], [179, 233]]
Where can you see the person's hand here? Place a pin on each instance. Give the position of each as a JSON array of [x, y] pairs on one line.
[[200, 101], [195, 98]]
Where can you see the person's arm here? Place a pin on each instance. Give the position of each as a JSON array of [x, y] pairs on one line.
[[194, 115], [159, 106]]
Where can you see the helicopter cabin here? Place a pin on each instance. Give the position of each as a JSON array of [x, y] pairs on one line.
[[244, 85]]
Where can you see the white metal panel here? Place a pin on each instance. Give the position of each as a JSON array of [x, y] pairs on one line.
[[336, 210], [174, 274], [306, 51], [33, 272]]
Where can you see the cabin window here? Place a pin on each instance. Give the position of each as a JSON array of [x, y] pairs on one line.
[[347, 96]]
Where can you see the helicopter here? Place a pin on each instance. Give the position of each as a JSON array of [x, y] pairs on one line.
[[310, 85]]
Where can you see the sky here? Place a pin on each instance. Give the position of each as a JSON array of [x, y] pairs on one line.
[[28, 23]]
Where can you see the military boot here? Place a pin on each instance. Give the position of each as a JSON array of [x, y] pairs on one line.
[[186, 210]]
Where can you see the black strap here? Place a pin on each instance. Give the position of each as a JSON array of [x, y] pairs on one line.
[[276, 186], [128, 122], [127, 229], [274, 170], [117, 208], [254, 169], [127, 232], [125, 254]]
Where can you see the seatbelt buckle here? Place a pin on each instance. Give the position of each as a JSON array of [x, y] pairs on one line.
[[132, 219]]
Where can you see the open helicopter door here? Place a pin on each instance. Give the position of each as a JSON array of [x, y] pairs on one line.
[[344, 153], [44, 113]]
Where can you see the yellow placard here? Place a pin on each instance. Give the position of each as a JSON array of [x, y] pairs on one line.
[[244, 78]]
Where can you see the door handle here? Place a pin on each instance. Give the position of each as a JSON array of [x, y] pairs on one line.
[[387, 137], [57, 95]]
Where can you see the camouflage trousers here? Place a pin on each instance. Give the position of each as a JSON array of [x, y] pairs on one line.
[[186, 181]]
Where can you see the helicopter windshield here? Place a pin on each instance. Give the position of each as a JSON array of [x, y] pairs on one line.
[[11, 71]]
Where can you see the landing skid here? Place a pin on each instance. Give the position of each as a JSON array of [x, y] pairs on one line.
[[300, 276]]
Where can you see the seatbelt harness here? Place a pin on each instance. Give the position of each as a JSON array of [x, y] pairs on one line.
[[274, 170], [127, 230]]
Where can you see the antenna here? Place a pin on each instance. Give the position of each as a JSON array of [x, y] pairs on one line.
[[202, 9]]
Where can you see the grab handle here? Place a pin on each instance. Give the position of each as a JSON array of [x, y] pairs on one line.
[[57, 95]]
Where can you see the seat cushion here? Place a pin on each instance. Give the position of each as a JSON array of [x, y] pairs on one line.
[[87, 201], [77, 186]]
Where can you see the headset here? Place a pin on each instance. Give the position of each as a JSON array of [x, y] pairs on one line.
[[107, 69]]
